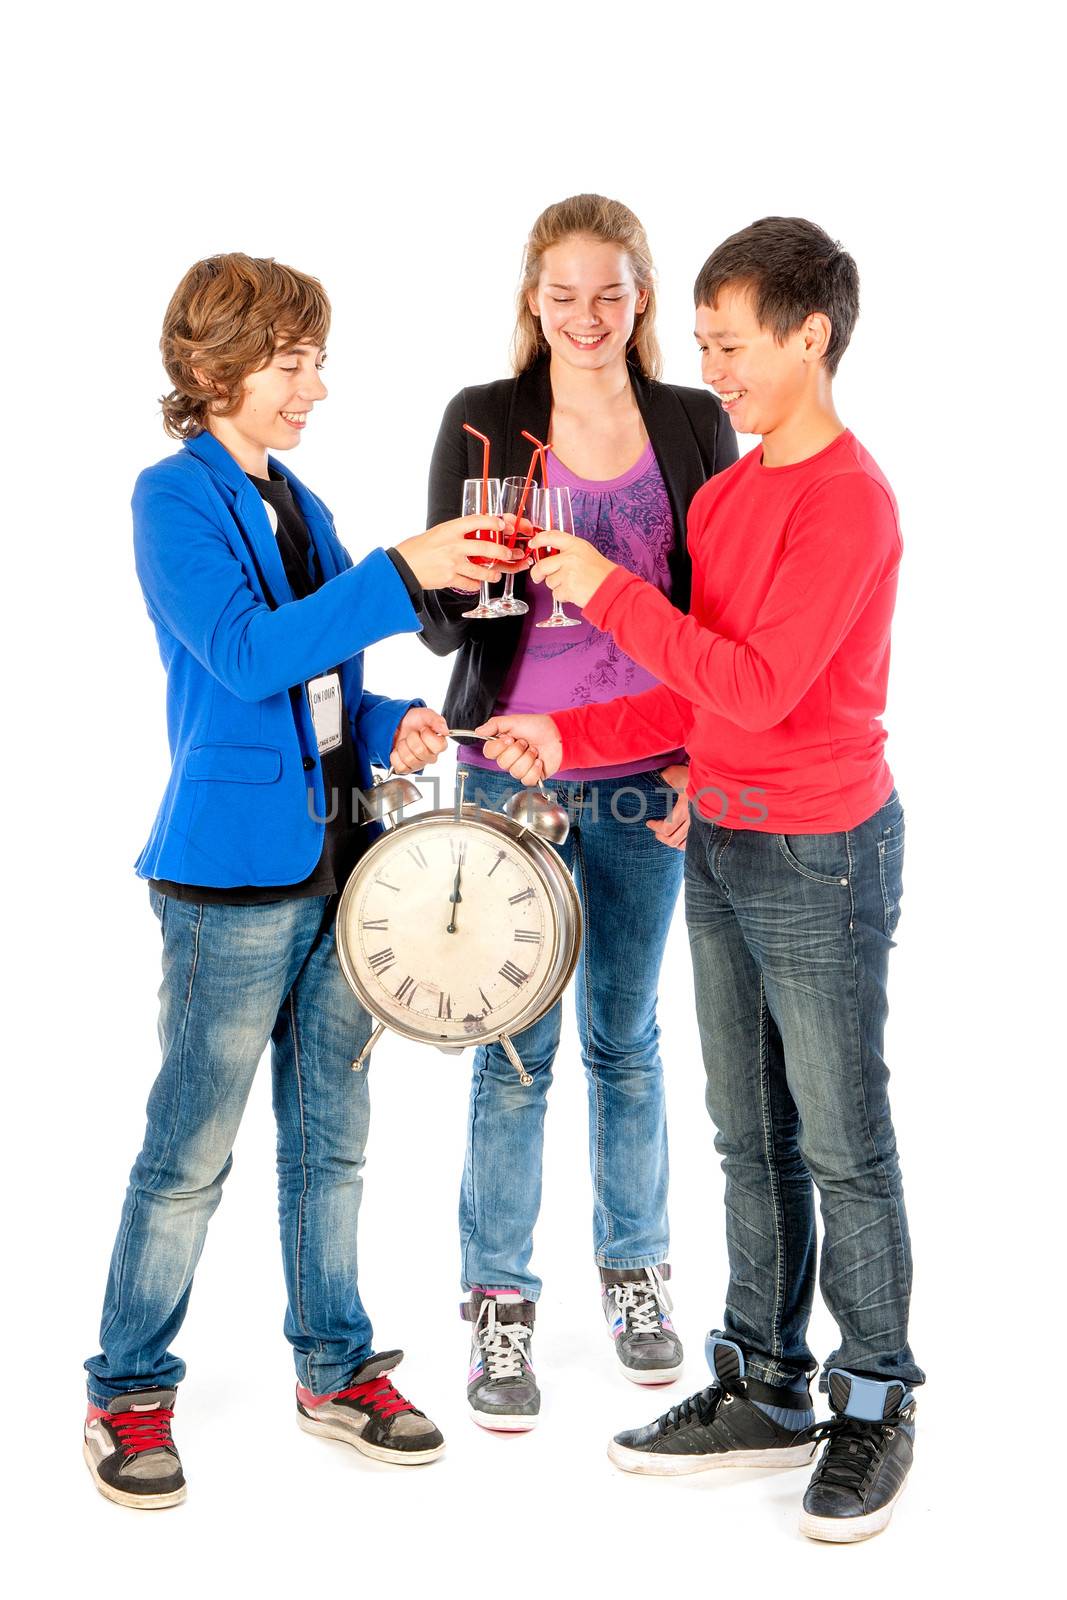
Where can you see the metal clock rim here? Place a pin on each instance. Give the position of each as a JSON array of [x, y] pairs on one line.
[[544, 857]]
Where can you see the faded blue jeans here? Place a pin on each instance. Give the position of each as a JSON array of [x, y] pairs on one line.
[[790, 938], [236, 978], [628, 884]]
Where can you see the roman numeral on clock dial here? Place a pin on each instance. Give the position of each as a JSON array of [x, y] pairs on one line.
[[406, 991], [527, 936], [382, 960], [515, 899], [513, 974]]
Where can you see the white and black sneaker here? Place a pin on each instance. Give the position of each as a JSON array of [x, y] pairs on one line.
[[130, 1453], [637, 1311], [370, 1414], [502, 1388], [864, 1466], [737, 1422]]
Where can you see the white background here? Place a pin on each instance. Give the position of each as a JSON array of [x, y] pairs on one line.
[[401, 154]]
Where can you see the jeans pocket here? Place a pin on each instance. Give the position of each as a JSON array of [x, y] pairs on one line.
[[818, 857], [891, 873]]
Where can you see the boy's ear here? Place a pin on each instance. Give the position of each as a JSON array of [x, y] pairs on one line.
[[817, 330], [207, 383]]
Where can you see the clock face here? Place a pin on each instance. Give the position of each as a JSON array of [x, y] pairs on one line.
[[450, 929]]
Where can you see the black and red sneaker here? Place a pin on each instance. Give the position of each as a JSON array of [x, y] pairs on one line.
[[130, 1453], [372, 1415]]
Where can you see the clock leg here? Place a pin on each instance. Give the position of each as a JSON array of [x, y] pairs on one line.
[[357, 1065], [513, 1057]]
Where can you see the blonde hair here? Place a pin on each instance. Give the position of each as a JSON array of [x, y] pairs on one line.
[[587, 216], [226, 319]]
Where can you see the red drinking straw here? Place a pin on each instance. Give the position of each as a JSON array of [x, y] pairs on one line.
[[485, 464], [542, 450], [522, 498]]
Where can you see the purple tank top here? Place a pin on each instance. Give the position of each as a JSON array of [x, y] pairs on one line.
[[629, 520]]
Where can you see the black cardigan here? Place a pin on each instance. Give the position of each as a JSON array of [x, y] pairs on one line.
[[690, 435]]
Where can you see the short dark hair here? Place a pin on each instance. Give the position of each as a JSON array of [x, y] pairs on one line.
[[791, 268]]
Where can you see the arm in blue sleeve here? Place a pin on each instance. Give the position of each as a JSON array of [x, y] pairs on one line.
[[196, 586], [375, 722]]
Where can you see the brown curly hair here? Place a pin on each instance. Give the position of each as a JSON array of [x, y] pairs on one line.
[[587, 216], [227, 318]]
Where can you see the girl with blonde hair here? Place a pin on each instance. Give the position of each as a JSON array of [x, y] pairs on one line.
[[633, 451]]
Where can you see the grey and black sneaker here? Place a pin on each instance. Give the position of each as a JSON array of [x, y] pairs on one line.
[[737, 1422], [637, 1311], [502, 1390], [869, 1445], [130, 1453], [372, 1415]]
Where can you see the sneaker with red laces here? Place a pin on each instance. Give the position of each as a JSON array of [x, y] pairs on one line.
[[372, 1415], [130, 1453]]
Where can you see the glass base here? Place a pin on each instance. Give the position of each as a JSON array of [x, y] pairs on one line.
[[513, 608], [559, 619], [492, 609]]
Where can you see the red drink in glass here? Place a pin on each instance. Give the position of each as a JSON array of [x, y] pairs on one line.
[[485, 536]]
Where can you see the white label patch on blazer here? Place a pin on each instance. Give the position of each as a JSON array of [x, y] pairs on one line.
[[272, 516], [324, 698]]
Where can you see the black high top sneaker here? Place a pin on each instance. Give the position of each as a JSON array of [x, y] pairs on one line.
[[502, 1390], [372, 1415], [737, 1422], [130, 1453], [637, 1310], [864, 1466]]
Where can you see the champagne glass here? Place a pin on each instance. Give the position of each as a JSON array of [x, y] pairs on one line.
[[552, 509], [511, 491], [481, 496]]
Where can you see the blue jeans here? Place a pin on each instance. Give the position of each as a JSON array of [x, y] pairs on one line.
[[236, 978], [790, 937], [628, 883]]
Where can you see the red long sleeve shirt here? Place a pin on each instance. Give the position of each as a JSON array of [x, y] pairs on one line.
[[776, 680]]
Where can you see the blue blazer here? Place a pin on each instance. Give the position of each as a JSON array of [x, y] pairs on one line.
[[246, 776]]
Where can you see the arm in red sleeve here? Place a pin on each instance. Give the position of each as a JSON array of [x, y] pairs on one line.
[[635, 725], [842, 544]]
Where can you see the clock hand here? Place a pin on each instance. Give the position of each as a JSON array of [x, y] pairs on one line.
[[455, 897]]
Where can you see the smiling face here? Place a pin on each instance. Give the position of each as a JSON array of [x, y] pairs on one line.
[[587, 301], [762, 384], [276, 403]]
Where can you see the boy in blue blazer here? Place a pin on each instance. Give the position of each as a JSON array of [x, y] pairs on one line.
[[261, 619]]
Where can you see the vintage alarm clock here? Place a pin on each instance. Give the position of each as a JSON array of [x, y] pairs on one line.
[[460, 926]]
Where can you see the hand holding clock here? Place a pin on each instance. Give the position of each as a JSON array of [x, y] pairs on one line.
[[419, 739], [527, 746]]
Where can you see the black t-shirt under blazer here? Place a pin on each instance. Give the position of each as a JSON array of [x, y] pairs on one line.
[[692, 439]]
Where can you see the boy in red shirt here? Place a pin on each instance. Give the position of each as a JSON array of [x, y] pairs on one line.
[[775, 683]]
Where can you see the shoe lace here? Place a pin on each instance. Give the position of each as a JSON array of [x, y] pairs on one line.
[[144, 1430], [852, 1451], [504, 1345], [642, 1304], [699, 1408], [379, 1394]]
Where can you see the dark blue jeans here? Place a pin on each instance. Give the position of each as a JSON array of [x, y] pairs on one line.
[[235, 979], [790, 938], [628, 883]]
